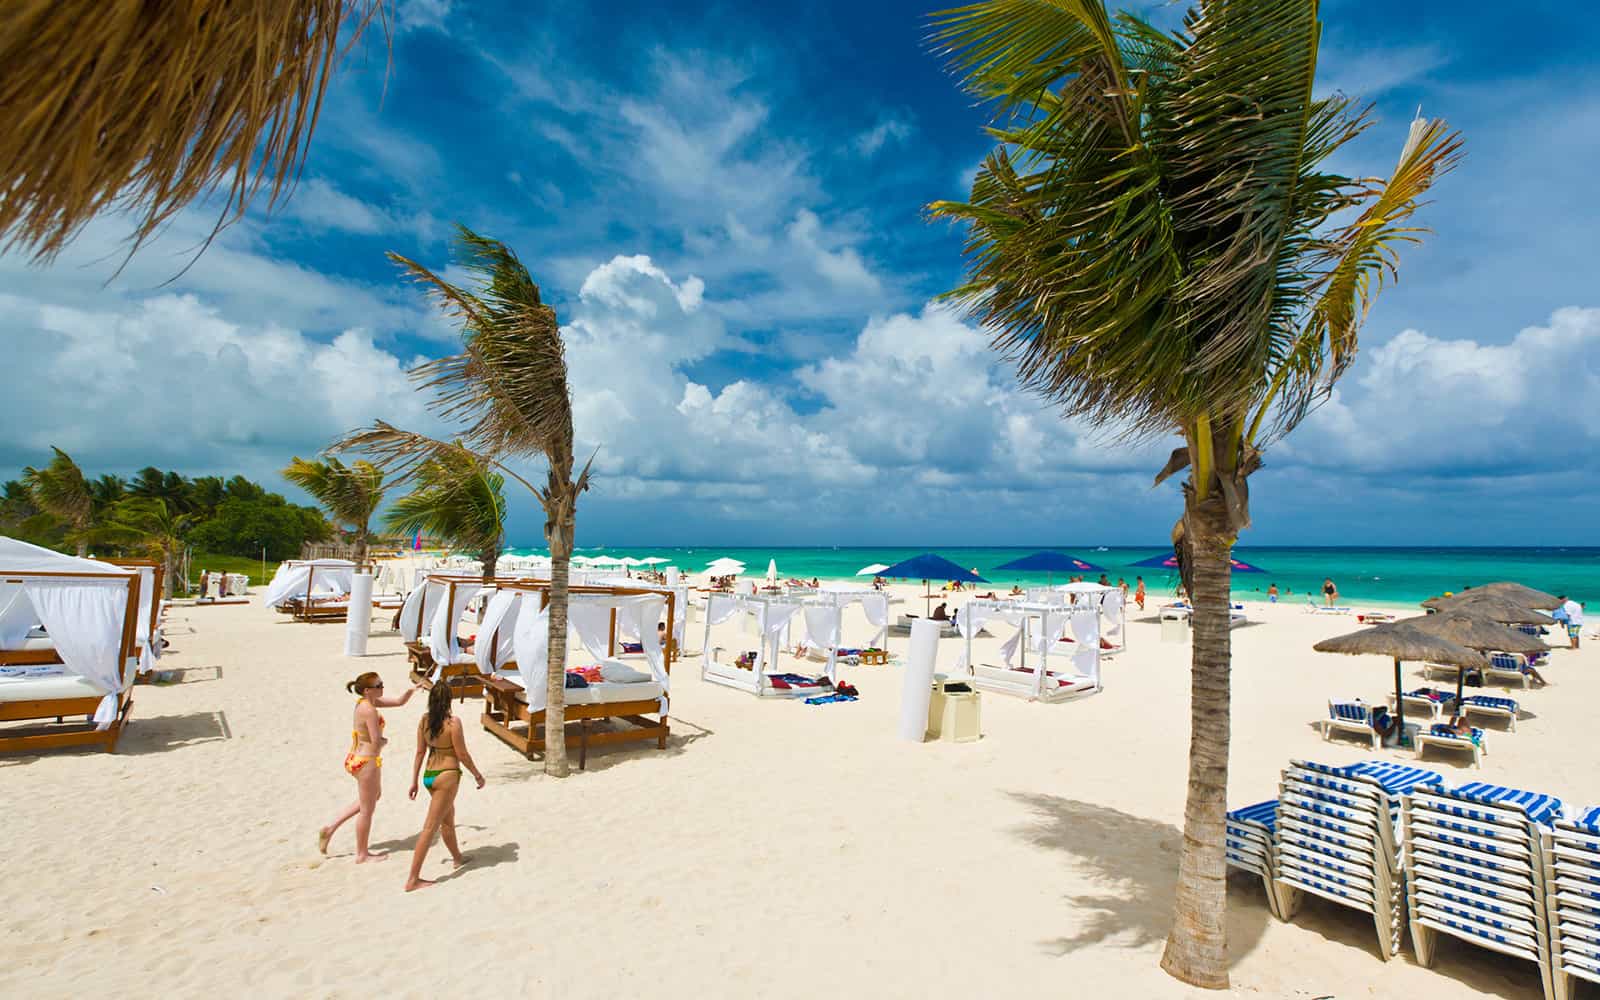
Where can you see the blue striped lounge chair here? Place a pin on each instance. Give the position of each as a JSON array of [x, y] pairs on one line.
[[1572, 894], [1352, 717], [1250, 841], [1430, 701], [1441, 735], [1475, 859], [1507, 668], [1492, 706]]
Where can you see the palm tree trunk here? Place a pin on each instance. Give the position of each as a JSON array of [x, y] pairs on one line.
[[490, 557], [1197, 947], [83, 547], [166, 572], [555, 716], [361, 548]]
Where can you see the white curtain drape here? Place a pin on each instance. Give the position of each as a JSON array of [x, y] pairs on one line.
[[592, 620], [447, 621], [84, 619], [499, 622], [1111, 611], [418, 608], [17, 615], [644, 611], [774, 617], [721, 607], [533, 653], [1086, 644], [823, 625]]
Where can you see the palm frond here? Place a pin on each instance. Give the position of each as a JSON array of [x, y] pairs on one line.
[[509, 384], [61, 490], [148, 107], [350, 494], [460, 500]]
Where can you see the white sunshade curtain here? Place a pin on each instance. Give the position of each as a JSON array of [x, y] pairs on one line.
[[447, 618], [872, 570], [318, 576], [83, 616], [417, 608], [500, 623]]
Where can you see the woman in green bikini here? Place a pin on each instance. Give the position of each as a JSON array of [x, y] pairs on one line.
[[441, 739]]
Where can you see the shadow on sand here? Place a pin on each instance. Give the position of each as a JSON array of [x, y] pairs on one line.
[[1117, 849], [603, 758]]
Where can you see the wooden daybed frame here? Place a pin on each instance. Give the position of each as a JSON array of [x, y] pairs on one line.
[[506, 714], [63, 733], [463, 678]]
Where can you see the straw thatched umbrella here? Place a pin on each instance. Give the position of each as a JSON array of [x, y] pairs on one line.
[[1497, 609], [1516, 593], [1475, 632], [145, 107], [1403, 641]]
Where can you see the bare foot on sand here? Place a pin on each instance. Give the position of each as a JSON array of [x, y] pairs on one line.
[[323, 836], [463, 861], [420, 883], [363, 859]]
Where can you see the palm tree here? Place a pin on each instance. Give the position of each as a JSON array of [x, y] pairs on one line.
[[61, 490], [510, 385], [227, 96], [460, 499], [349, 493], [150, 525], [1153, 245]]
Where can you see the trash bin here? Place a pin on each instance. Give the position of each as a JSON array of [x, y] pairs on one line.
[[955, 713], [1174, 628]]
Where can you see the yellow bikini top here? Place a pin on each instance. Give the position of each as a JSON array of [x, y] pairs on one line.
[[355, 734]]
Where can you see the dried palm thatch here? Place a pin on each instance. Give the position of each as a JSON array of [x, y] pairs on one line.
[[1516, 593], [1402, 641], [1475, 632], [1498, 609], [147, 106]]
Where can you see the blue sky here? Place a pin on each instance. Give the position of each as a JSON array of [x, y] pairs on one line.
[[724, 202]]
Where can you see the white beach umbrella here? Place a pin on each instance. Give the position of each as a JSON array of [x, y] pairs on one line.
[[586, 560], [872, 570], [772, 571], [653, 561], [725, 567], [631, 561], [605, 561], [1082, 587]]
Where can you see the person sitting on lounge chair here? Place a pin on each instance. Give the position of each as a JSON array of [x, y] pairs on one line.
[[1016, 591], [940, 614]]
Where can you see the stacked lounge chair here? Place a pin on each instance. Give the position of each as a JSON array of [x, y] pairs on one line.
[[1474, 862], [1572, 897], [1337, 838], [1251, 844]]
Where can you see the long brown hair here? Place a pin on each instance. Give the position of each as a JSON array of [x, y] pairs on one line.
[[359, 686], [438, 709]]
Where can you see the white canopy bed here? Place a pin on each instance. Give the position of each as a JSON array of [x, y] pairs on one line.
[[515, 672], [312, 588], [823, 615], [1040, 628], [757, 673], [1113, 606], [67, 639], [430, 622]]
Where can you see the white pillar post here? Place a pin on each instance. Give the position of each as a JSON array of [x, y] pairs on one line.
[[358, 621]]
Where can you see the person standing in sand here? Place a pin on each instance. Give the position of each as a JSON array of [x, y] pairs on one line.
[[1572, 616], [1330, 592], [1138, 593], [364, 762], [442, 740]]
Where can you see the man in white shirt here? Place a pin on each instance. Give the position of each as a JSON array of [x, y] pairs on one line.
[[1572, 611]]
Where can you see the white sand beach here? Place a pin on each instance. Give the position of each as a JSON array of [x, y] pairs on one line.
[[774, 849]]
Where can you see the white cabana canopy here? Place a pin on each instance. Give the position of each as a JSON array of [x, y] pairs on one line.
[[725, 567], [86, 607], [872, 570], [298, 578]]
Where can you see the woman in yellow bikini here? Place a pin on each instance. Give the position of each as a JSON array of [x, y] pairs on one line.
[[364, 761], [440, 738]]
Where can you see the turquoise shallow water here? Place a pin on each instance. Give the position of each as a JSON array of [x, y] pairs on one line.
[[1387, 575]]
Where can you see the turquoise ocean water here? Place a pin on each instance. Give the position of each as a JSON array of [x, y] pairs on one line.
[[1382, 575]]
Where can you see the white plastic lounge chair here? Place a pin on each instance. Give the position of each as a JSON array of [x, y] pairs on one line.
[[1418, 701], [1351, 717], [1572, 894], [1474, 860], [1251, 839], [1492, 706], [1505, 668], [1444, 737]]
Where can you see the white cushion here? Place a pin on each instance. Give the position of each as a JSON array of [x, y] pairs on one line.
[[61, 685], [603, 693], [620, 673]]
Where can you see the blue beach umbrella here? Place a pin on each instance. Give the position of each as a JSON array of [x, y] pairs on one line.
[[930, 566], [1052, 562], [1170, 561]]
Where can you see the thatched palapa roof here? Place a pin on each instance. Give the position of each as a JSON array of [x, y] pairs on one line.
[[1474, 632], [1516, 593], [1401, 641]]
